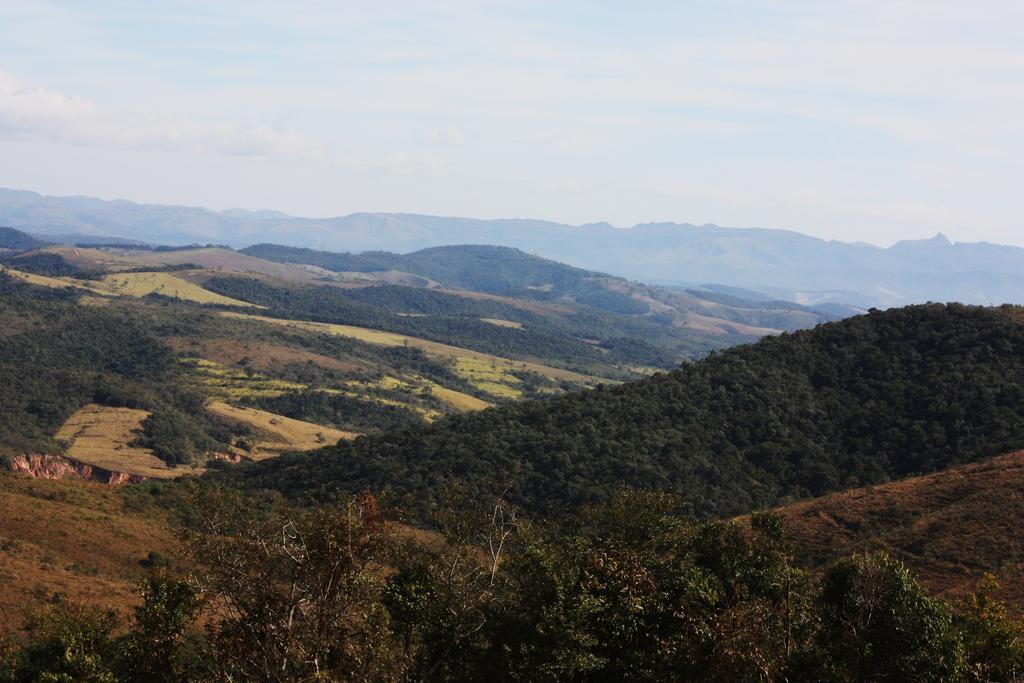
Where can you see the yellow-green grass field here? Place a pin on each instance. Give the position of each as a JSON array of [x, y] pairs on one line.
[[421, 385], [134, 285], [167, 284], [101, 436], [277, 434], [227, 384], [489, 377], [457, 399], [230, 384], [55, 282], [431, 348]]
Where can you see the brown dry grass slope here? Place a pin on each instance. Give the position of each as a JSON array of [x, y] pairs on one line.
[[950, 528], [261, 356], [223, 259], [73, 537]]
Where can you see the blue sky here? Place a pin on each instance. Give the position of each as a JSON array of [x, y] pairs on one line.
[[871, 121]]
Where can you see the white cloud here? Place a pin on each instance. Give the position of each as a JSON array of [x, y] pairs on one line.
[[450, 136], [37, 113]]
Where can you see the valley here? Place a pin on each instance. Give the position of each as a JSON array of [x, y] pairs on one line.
[[300, 339], [386, 398], [394, 342]]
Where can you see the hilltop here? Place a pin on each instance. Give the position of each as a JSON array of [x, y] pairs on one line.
[[15, 240], [861, 401], [509, 272]]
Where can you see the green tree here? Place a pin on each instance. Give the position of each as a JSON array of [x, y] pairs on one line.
[[993, 642], [65, 643], [879, 624], [293, 593], [155, 650], [446, 592]]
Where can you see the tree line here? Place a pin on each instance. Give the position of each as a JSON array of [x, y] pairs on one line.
[[629, 590]]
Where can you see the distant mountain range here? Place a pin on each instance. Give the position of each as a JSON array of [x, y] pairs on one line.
[[782, 264]]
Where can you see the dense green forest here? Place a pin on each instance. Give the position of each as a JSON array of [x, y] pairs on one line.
[[56, 356], [861, 401], [626, 591]]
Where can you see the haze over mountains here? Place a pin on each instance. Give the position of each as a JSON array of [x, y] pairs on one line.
[[783, 264]]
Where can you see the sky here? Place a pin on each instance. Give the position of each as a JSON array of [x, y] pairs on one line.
[[861, 121]]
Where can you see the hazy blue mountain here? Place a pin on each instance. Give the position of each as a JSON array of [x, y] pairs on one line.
[[16, 240], [779, 263]]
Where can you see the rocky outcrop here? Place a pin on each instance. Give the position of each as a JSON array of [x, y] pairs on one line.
[[44, 466], [236, 456], [60, 467]]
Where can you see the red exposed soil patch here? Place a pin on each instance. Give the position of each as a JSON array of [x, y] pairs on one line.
[[59, 467]]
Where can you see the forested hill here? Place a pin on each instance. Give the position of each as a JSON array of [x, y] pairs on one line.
[[856, 402], [497, 270], [513, 273], [18, 240]]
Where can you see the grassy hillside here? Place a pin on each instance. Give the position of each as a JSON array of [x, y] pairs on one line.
[[496, 270], [58, 274], [165, 284], [87, 541], [155, 361], [950, 527], [548, 311], [858, 402], [57, 355], [511, 272], [105, 437], [104, 385], [333, 305]]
